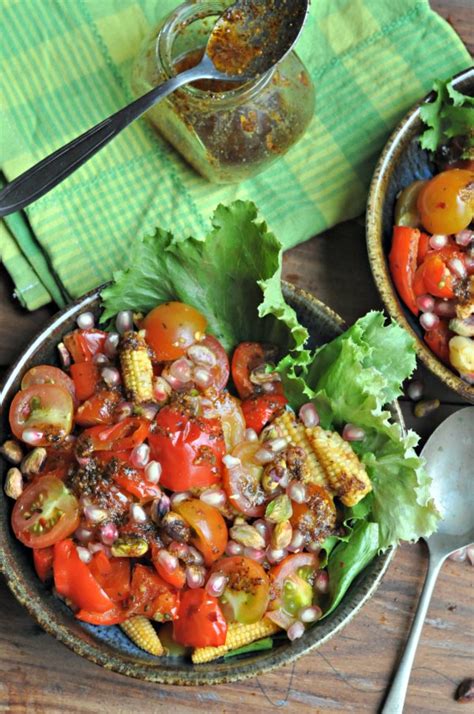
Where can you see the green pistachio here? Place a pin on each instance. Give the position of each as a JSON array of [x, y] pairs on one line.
[[279, 509], [131, 547]]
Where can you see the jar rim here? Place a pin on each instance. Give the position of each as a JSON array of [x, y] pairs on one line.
[[185, 14]]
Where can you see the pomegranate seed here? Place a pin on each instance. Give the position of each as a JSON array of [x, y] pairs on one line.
[[297, 492], [195, 555], [277, 445], [32, 436], [84, 554], [181, 370], [251, 435], [297, 542], [438, 241], [109, 533], [86, 320], [179, 550], [202, 356], [264, 456], [469, 263], [100, 359], [161, 389], [111, 344], [153, 471], [137, 514], [123, 411], [233, 548], [231, 462], [216, 584], [202, 378], [111, 376], [429, 320], [257, 554], [426, 303], [309, 415], [178, 497], [456, 266], [351, 432], [149, 412], [274, 555], [95, 514], [140, 456], [167, 561], [464, 237], [415, 390], [124, 321], [100, 547], [264, 528], [321, 582], [195, 576], [445, 308], [310, 614], [64, 356], [213, 497], [84, 535], [295, 631]]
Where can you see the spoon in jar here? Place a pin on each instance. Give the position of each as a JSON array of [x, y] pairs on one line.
[[449, 454], [248, 39]]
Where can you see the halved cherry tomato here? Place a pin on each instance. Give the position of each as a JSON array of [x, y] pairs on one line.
[[402, 260], [46, 513], [208, 526], [99, 409], [292, 582], [133, 481], [200, 620], [317, 517], [242, 483], [47, 374], [438, 338], [228, 409], [261, 409], [446, 202], [84, 344], [174, 576], [171, 328], [151, 596], [113, 575], [86, 376], [43, 561], [247, 357], [437, 277], [59, 457], [73, 579], [46, 408], [123, 436], [220, 372], [247, 594], [189, 449]]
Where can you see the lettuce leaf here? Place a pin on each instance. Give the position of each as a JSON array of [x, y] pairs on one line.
[[233, 276]]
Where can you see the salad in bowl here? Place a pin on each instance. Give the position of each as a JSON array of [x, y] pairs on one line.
[[195, 472]]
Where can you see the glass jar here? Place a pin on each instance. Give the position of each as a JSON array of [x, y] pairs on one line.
[[226, 132]]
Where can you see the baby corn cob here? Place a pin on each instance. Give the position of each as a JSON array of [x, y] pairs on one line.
[[345, 474], [288, 427], [142, 633], [237, 636], [137, 368]]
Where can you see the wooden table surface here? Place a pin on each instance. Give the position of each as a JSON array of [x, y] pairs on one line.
[[348, 674]]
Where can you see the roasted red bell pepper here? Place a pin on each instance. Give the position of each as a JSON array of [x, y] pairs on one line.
[[98, 409], [86, 377], [437, 277], [43, 560], [402, 260], [200, 622], [84, 344], [259, 410], [73, 580], [151, 596], [113, 575], [123, 436]]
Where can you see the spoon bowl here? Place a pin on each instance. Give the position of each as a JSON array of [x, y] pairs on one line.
[[449, 454]]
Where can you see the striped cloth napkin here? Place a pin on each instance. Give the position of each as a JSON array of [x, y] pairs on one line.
[[66, 65]]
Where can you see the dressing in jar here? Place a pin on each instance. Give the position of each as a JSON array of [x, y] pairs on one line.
[[226, 131]]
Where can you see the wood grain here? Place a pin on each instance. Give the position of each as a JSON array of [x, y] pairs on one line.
[[351, 672]]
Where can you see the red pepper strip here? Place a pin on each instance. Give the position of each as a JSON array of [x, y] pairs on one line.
[[43, 560], [86, 377], [114, 616], [112, 575], [125, 435], [259, 410], [98, 409], [200, 620], [437, 277], [402, 260], [419, 287], [84, 344], [74, 580], [423, 247]]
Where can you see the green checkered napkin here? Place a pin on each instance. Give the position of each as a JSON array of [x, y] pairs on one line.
[[66, 66]]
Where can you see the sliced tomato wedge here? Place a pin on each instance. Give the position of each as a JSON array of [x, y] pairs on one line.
[[98, 409], [200, 621], [220, 372], [46, 513], [82, 345], [292, 583], [133, 480], [74, 580], [260, 410], [86, 376], [247, 594], [123, 436], [45, 408], [113, 575], [43, 561], [174, 576], [151, 596], [246, 358], [47, 374], [242, 483], [437, 277], [208, 527]]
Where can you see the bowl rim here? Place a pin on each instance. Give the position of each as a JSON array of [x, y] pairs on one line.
[[407, 129], [100, 653]]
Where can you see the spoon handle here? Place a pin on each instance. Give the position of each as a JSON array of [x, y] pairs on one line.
[[397, 693], [42, 177]]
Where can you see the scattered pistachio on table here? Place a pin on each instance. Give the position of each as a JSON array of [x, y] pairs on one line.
[[13, 483], [426, 407]]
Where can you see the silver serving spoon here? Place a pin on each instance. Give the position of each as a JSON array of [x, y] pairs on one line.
[[449, 454], [249, 38]]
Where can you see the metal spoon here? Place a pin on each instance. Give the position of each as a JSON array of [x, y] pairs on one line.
[[449, 454], [249, 38]]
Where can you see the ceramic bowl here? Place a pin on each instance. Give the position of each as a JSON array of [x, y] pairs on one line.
[[108, 646], [402, 162]]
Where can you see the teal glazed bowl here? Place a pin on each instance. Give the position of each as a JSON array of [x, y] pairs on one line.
[[108, 646], [402, 162]]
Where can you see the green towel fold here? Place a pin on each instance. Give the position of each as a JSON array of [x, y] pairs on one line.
[[66, 65]]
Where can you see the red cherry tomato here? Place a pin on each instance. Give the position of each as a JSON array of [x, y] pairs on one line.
[[247, 594], [261, 409], [208, 526], [151, 596], [437, 277], [242, 483], [46, 408], [43, 561], [200, 620], [84, 344], [73, 580], [246, 358], [423, 247], [317, 517], [175, 576], [86, 376], [98, 409], [171, 328], [220, 372], [133, 480], [46, 513], [446, 202], [46, 374], [292, 582], [189, 449]]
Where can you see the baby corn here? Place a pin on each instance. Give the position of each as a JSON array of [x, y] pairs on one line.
[[345, 474], [142, 633], [288, 427], [237, 636], [137, 368]]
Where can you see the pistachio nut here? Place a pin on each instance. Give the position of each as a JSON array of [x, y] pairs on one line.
[[130, 547], [247, 535], [279, 509], [12, 451], [34, 461], [282, 535], [14, 483]]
